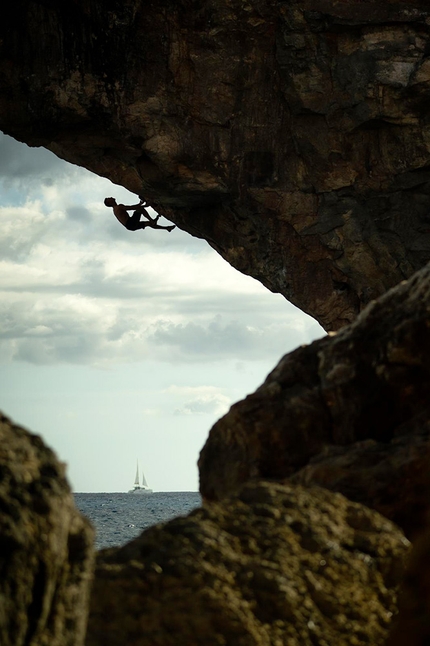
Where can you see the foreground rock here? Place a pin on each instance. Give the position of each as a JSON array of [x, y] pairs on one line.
[[392, 477], [369, 382], [45, 547], [292, 136], [412, 626], [280, 564]]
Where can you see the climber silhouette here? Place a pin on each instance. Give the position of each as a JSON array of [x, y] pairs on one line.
[[132, 222]]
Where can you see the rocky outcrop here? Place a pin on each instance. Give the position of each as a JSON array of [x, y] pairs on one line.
[[45, 547], [412, 625], [392, 477], [292, 136], [279, 564], [368, 382]]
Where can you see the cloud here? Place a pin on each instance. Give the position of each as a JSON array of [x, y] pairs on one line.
[[199, 400], [79, 213], [220, 338], [82, 307], [151, 412], [76, 287], [204, 406], [29, 175], [19, 161], [78, 329], [21, 228], [79, 291]]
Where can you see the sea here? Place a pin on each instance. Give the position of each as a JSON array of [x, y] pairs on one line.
[[120, 517]]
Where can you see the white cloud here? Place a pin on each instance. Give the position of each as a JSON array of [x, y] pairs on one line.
[[76, 287], [220, 337], [78, 292], [19, 162], [199, 400], [151, 412]]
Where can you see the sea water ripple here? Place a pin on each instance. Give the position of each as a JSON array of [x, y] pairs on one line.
[[120, 517]]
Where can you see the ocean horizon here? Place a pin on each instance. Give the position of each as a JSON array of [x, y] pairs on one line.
[[119, 517]]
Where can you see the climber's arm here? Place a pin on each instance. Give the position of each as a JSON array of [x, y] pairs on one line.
[[133, 207]]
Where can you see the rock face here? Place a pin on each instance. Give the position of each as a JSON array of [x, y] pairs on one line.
[[368, 382], [292, 136], [392, 477], [280, 564], [45, 547], [412, 626]]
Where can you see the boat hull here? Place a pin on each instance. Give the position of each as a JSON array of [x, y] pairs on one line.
[[141, 490]]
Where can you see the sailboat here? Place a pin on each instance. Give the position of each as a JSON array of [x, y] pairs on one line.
[[137, 487]]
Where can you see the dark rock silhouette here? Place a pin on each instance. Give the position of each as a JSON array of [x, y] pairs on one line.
[[392, 477], [292, 136], [370, 381], [412, 625], [46, 554], [279, 564]]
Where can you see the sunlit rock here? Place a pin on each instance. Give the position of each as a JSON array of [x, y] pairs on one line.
[[279, 564]]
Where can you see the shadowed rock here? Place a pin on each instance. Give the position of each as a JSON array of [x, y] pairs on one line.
[[292, 136], [369, 382], [281, 564], [45, 547], [412, 626], [392, 477]]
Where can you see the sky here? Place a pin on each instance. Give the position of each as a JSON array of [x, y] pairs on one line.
[[118, 346]]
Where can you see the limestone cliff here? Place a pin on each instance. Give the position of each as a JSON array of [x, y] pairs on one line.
[[292, 136]]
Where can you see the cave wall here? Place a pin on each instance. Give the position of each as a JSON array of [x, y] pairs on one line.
[[293, 136]]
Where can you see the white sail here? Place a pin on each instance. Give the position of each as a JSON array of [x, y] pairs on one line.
[[137, 487]]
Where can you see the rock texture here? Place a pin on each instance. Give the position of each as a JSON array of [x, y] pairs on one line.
[[278, 565], [392, 477], [368, 382], [45, 547], [292, 136], [412, 626]]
